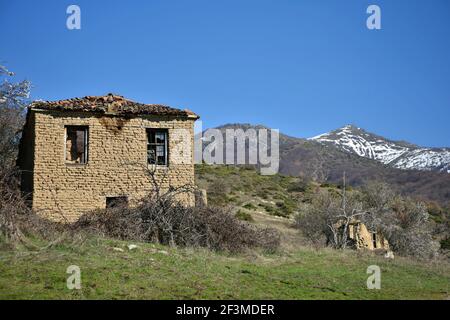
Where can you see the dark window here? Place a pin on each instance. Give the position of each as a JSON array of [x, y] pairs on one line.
[[76, 144], [114, 202], [157, 148], [374, 240]]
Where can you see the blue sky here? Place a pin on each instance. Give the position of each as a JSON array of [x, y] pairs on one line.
[[305, 67]]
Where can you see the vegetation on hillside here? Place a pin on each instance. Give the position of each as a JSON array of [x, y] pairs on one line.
[[243, 189], [404, 222], [322, 163], [412, 227]]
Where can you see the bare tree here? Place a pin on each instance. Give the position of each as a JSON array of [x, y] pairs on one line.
[[13, 100], [403, 221], [330, 214]]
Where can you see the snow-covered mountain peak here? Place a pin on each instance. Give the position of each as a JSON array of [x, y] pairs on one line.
[[398, 154]]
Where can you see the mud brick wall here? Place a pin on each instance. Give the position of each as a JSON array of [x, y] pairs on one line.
[[363, 238], [116, 166]]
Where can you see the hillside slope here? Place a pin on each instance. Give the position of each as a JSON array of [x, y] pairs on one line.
[[327, 162]]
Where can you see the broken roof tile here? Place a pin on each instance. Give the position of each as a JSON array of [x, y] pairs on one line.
[[111, 104]]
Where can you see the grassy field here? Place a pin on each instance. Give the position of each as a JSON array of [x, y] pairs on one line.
[[148, 273], [157, 272]]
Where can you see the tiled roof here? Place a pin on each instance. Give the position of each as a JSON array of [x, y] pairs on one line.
[[111, 104]]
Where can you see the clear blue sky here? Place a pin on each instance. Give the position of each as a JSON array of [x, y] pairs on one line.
[[304, 67]]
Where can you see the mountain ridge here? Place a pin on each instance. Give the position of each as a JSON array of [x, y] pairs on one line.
[[326, 162], [398, 154]]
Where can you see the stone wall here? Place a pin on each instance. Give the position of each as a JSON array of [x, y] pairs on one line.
[[116, 166], [364, 239]]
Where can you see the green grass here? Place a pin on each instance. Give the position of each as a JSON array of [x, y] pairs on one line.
[[243, 187], [200, 274], [244, 216]]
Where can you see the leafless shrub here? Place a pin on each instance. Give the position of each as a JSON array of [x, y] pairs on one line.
[[403, 221], [17, 221], [419, 244], [118, 223], [223, 231], [177, 225], [312, 223], [219, 190], [327, 217], [11, 205]]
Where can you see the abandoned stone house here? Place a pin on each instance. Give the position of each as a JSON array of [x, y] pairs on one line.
[[82, 154], [362, 238]]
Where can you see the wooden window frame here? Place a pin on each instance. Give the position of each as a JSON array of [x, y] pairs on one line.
[[85, 159], [156, 144]]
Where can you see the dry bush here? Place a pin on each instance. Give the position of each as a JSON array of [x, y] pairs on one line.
[[327, 217], [223, 231], [408, 229], [312, 223], [17, 221], [404, 222], [118, 223], [170, 223], [12, 207]]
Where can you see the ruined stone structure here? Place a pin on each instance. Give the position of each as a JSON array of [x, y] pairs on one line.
[[364, 239], [88, 153]]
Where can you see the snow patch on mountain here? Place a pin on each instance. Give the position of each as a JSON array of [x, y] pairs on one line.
[[397, 154], [425, 159]]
